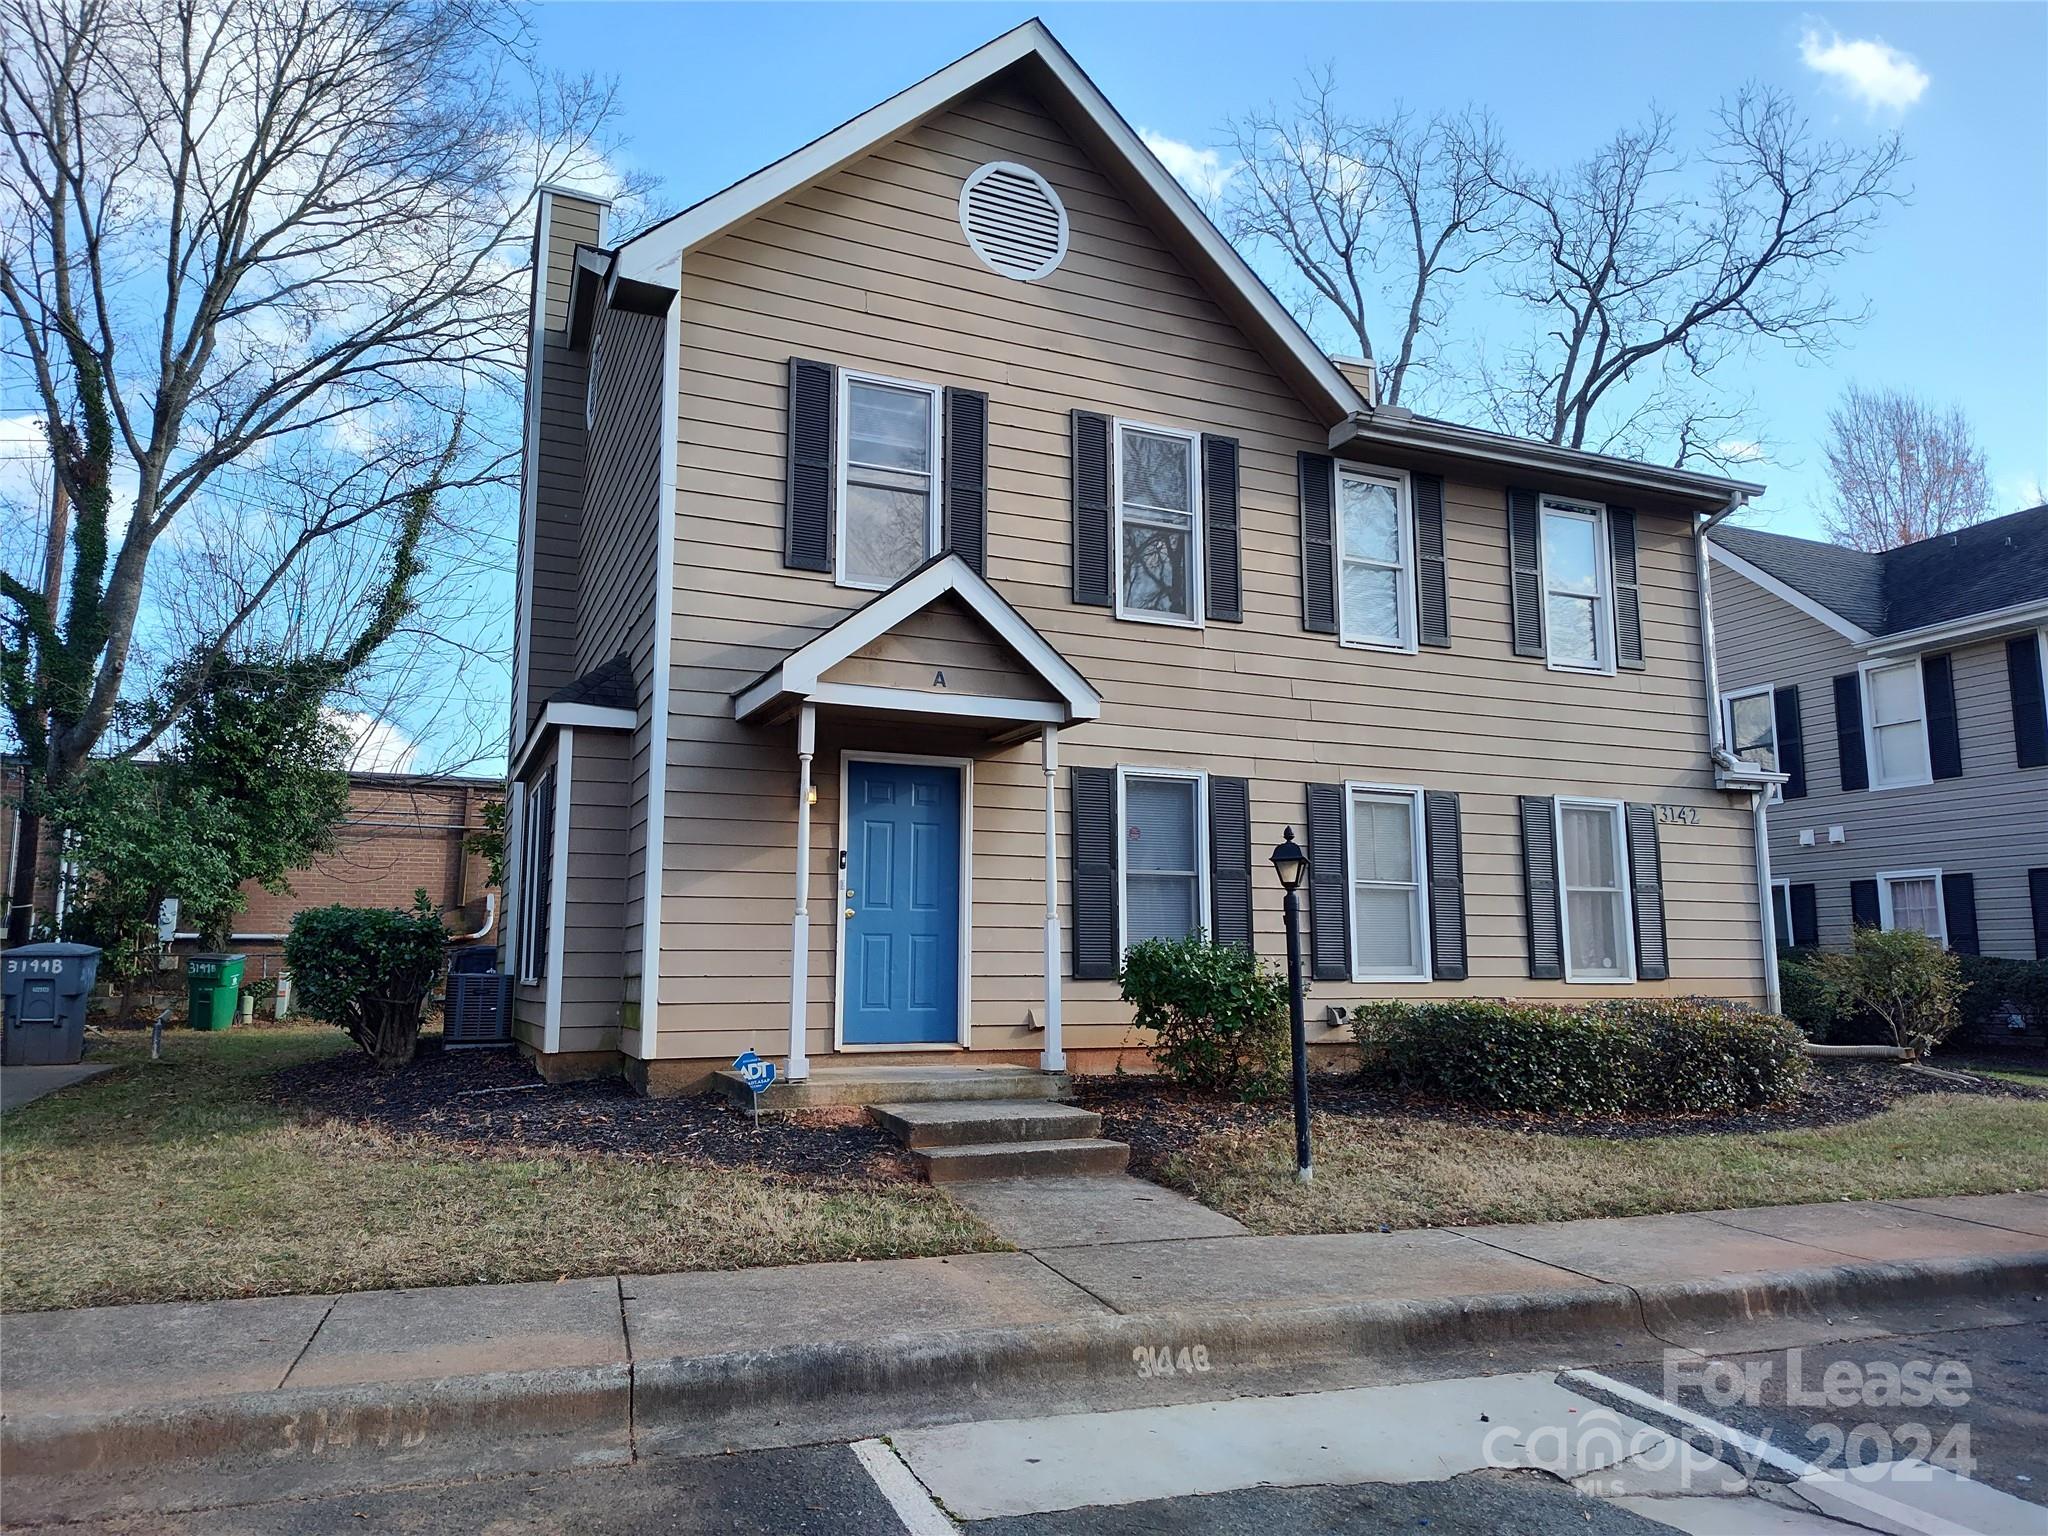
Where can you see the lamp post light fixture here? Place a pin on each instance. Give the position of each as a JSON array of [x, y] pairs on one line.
[[1291, 865]]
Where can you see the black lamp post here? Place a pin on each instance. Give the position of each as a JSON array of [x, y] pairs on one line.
[[1291, 865]]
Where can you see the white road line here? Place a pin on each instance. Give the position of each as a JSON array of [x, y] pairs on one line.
[[906, 1495], [1856, 1493]]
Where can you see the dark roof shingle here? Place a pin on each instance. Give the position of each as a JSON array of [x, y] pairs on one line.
[[1996, 564], [610, 686]]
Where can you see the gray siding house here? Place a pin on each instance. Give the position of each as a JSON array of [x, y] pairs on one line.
[[1901, 694]]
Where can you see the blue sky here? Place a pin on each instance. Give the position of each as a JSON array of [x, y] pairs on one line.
[[1958, 281]]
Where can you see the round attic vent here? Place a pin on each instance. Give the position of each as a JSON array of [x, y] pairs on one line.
[[1013, 220]]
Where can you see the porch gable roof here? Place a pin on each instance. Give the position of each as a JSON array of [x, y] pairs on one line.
[[799, 676]]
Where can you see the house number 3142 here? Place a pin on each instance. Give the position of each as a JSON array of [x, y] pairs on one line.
[[1679, 815]]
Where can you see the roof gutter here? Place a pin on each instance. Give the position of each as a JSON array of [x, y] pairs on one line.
[[1392, 427], [1992, 622]]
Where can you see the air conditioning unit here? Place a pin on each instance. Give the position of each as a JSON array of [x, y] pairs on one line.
[[478, 1009]]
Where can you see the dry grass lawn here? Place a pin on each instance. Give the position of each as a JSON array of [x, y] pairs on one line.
[[178, 1180], [1412, 1173]]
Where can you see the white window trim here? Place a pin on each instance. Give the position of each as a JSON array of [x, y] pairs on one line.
[[1404, 643], [1869, 707], [1885, 877], [1419, 844], [1123, 864], [1728, 701], [848, 377], [1197, 552], [1594, 512], [531, 837], [1618, 821], [1779, 940]]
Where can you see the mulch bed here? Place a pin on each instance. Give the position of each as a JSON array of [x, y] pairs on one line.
[[1159, 1118], [492, 1101]]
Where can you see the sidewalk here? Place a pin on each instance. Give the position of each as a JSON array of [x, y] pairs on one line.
[[129, 1408]]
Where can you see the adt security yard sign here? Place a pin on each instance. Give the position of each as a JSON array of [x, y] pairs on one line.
[[756, 1074]]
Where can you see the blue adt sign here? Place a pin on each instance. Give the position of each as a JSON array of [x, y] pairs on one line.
[[756, 1073]]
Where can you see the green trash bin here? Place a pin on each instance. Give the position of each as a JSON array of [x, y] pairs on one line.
[[213, 987]]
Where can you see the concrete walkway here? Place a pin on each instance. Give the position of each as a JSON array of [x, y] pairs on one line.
[[24, 1085], [377, 1387]]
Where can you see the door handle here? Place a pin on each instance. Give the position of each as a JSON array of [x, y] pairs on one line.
[[849, 911]]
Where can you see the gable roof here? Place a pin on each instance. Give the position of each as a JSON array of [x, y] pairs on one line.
[[1976, 572], [1031, 50]]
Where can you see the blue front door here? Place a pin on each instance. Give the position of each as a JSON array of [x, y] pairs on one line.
[[902, 904]]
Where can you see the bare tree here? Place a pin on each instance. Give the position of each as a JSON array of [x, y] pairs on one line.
[[1373, 217], [245, 245], [1900, 470], [1646, 269]]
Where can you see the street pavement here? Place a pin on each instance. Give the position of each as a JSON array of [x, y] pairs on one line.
[[1598, 1450]]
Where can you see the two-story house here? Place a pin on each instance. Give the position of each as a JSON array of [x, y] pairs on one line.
[[944, 564], [1901, 695]]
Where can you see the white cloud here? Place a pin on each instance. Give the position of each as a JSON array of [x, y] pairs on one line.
[[1740, 450], [1867, 68], [375, 745], [1202, 171]]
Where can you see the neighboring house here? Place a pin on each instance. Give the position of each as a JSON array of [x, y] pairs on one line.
[[1902, 694], [403, 833], [950, 560]]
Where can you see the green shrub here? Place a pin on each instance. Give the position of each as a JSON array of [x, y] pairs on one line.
[[1904, 980], [1805, 994], [1218, 1013], [367, 971], [1627, 1056], [1996, 991]]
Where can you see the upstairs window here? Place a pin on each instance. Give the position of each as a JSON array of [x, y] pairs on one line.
[[1578, 587], [1163, 855], [888, 479], [1376, 582], [1752, 722], [1158, 542], [1593, 863], [1895, 724]]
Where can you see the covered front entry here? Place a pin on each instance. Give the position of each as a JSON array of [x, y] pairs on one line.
[[905, 898], [939, 654]]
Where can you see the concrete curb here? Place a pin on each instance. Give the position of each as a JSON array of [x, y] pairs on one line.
[[334, 1439]]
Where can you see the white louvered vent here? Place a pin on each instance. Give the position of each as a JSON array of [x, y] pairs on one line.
[[1014, 221]]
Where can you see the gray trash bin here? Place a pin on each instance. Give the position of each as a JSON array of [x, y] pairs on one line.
[[46, 989]]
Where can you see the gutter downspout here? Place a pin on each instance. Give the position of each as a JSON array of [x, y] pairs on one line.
[[1717, 747]]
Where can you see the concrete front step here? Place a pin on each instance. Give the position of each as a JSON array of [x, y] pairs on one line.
[[959, 1123], [1063, 1159], [829, 1087]]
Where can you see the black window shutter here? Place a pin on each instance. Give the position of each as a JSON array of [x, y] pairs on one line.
[[1849, 731], [1091, 810], [807, 515], [967, 476], [1445, 852], [2029, 700], [1230, 862], [1525, 571], [1432, 584], [1329, 885], [1944, 741], [1791, 739], [1863, 911], [544, 872], [1628, 592], [1091, 509], [2037, 896], [1539, 886], [1317, 473], [1805, 917], [1223, 564], [1646, 884], [1959, 912]]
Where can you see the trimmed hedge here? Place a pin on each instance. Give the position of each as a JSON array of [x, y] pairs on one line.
[[1997, 990], [1623, 1057], [1219, 1014]]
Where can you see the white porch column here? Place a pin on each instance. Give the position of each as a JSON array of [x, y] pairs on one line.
[[1054, 1058], [800, 924]]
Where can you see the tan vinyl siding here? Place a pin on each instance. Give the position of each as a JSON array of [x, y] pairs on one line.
[[1992, 823], [868, 270], [592, 959], [555, 471], [942, 650], [624, 483]]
